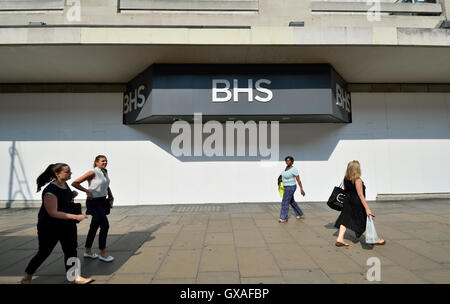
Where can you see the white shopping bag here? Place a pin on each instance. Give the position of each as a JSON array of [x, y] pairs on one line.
[[371, 233]]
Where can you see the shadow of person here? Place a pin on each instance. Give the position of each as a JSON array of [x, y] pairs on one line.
[[330, 226], [350, 236], [123, 249], [52, 271]]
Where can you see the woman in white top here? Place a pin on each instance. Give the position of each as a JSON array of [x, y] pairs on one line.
[[97, 205]]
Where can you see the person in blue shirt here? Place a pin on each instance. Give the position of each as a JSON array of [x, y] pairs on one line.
[[289, 177]]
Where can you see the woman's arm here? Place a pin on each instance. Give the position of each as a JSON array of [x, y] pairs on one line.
[[359, 190], [77, 183], [300, 185], [51, 206]]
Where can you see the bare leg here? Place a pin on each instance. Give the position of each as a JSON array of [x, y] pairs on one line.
[[104, 253], [340, 238]]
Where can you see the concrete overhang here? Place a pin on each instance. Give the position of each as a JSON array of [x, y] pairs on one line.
[[102, 54]]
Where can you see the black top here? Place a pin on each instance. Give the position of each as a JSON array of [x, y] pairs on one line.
[[349, 186], [64, 197]]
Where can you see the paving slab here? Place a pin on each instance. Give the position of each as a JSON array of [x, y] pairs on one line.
[[407, 258], [399, 275], [12, 257], [257, 262], [291, 256], [438, 254], [276, 235], [308, 237], [332, 260], [312, 276], [180, 264], [219, 216], [166, 227], [249, 238], [270, 223], [222, 225], [218, 277], [144, 260], [129, 242], [10, 279], [262, 216], [50, 279], [160, 240], [174, 281], [243, 223], [195, 227], [96, 267], [122, 278], [263, 280], [219, 238], [189, 240], [351, 278], [361, 254], [18, 267], [436, 276], [218, 258]]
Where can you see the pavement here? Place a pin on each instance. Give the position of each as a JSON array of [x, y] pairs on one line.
[[243, 243]]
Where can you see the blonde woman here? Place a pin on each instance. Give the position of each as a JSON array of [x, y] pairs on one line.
[[355, 212]]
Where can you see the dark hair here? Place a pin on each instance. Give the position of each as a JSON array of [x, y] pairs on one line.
[[289, 157], [280, 179], [97, 158], [49, 174]]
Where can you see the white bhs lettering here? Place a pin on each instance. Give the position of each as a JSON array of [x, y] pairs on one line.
[[227, 93], [133, 101], [342, 98]]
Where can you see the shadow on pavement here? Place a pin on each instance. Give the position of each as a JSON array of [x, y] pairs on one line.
[[19, 250]]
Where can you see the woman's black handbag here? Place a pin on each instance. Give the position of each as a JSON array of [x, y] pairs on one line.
[[337, 199], [107, 206]]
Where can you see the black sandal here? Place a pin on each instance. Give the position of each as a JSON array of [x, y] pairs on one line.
[[339, 244]]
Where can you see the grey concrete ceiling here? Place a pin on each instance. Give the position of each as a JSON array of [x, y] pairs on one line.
[[120, 63]]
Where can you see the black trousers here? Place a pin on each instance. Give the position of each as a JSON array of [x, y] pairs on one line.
[[96, 208], [48, 238]]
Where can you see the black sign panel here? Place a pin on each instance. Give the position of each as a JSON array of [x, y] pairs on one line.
[[290, 93]]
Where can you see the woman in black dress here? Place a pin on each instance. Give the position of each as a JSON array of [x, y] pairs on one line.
[[56, 222], [355, 212]]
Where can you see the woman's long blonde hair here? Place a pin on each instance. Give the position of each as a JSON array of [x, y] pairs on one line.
[[353, 171]]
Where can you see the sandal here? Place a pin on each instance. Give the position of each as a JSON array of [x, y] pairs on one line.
[[340, 244], [83, 281], [380, 244], [23, 281], [282, 221]]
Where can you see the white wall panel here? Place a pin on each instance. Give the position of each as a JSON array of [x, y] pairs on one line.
[[401, 139]]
